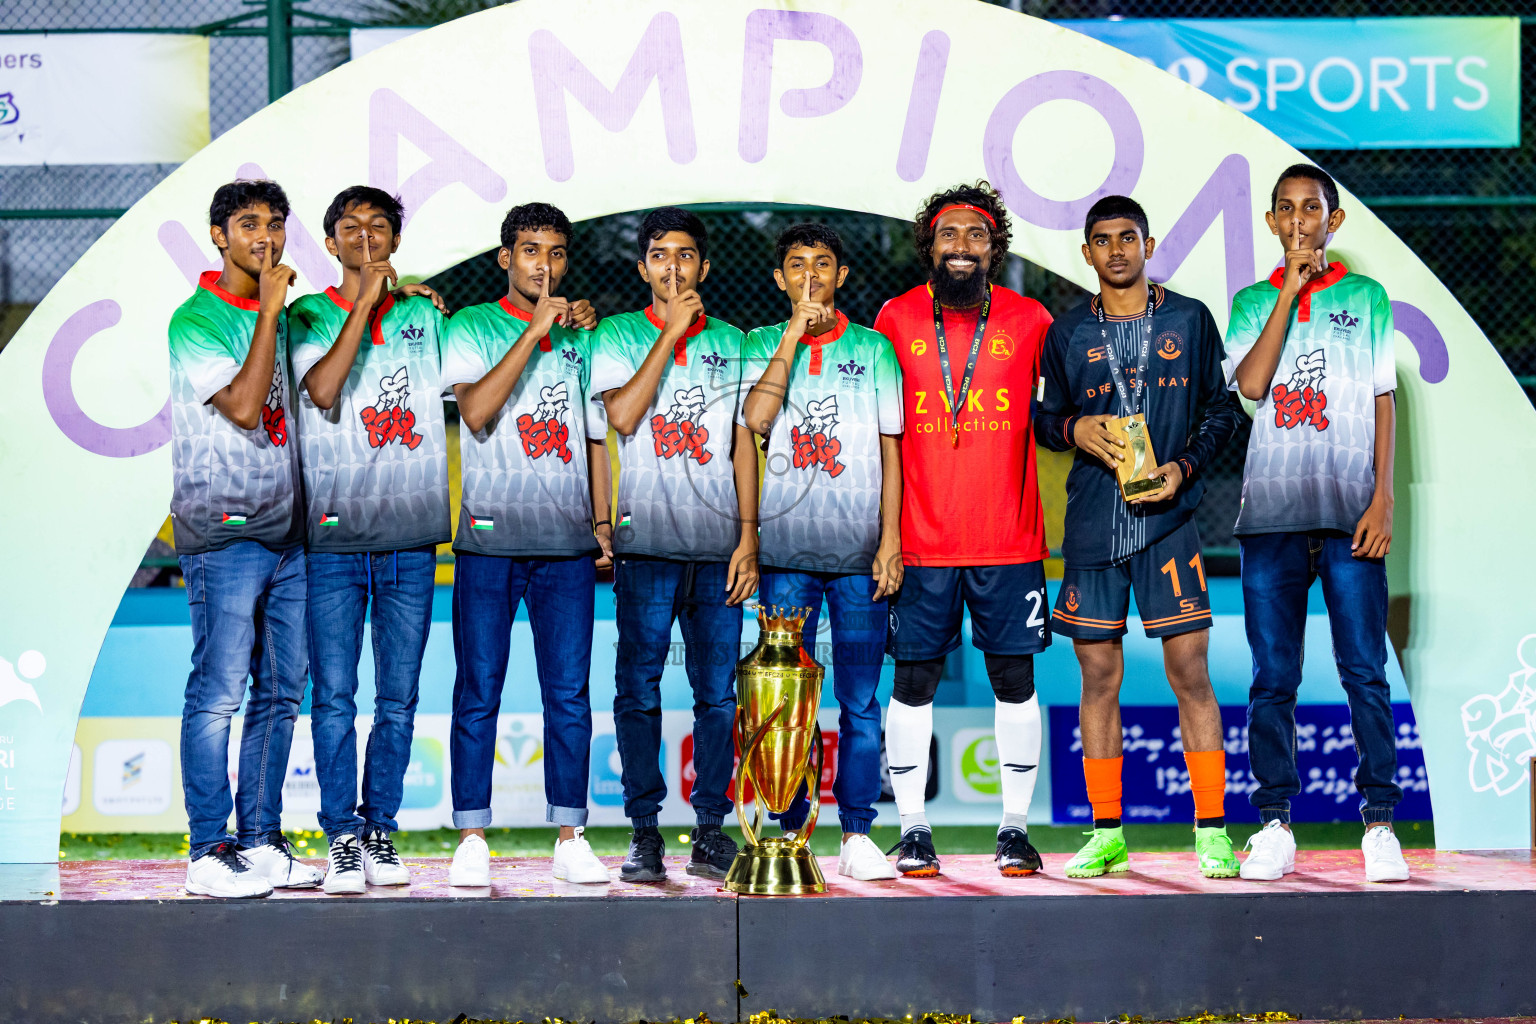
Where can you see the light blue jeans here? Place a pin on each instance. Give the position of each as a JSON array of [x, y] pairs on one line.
[[247, 606]]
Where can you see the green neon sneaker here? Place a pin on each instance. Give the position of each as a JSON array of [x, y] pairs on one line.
[[1104, 852], [1214, 848]]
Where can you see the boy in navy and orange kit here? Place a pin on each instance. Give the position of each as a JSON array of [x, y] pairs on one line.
[[1137, 348]]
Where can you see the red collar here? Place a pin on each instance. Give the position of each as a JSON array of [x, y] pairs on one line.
[[820, 342], [680, 349], [375, 319], [1336, 272], [527, 318], [209, 280]]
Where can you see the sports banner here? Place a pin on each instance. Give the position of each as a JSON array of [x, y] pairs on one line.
[[102, 98], [1345, 83]]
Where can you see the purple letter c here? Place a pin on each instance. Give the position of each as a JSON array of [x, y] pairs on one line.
[[59, 393]]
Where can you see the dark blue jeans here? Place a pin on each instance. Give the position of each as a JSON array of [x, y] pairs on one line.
[[649, 594], [559, 594], [859, 628], [247, 607], [396, 587], [1278, 570]]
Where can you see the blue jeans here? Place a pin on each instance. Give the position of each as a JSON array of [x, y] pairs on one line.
[[859, 627], [247, 606], [398, 586], [1278, 570], [559, 594], [649, 593]]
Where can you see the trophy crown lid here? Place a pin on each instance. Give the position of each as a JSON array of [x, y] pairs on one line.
[[778, 619]]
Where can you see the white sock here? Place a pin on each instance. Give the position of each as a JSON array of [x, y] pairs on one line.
[[1017, 727], [908, 732]]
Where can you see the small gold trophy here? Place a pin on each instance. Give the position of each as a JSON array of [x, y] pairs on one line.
[[778, 692], [1135, 469]]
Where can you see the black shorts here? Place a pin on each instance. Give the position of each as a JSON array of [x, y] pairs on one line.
[[1007, 604], [1171, 594]]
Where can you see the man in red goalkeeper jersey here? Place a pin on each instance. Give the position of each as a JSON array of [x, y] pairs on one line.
[[971, 524]]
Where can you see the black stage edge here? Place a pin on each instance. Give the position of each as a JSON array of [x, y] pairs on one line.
[[1370, 955], [374, 959], [1375, 954]]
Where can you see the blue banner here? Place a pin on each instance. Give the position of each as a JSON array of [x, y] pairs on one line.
[[1156, 782], [1345, 83]]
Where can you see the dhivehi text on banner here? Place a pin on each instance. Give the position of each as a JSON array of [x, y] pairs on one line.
[[102, 98], [1345, 83]]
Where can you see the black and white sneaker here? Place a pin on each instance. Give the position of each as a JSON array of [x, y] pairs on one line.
[[644, 862], [344, 868], [274, 861], [713, 852], [381, 861], [223, 873], [915, 855], [1016, 856]]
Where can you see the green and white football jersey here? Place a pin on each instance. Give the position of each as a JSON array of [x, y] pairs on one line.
[[1311, 456], [229, 484], [376, 462], [820, 507], [677, 490], [527, 493]]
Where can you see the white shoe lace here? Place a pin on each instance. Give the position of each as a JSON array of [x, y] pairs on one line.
[[1262, 841]]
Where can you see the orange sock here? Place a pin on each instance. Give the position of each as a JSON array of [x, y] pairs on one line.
[[1103, 775], [1208, 781]]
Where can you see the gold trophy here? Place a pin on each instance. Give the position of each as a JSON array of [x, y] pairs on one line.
[[1135, 469], [778, 692]]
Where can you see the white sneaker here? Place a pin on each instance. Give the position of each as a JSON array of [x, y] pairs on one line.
[[861, 859], [274, 861], [471, 863], [222, 872], [575, 861], [1383, 856], [1273, 856], [344, 866], [381, 861]]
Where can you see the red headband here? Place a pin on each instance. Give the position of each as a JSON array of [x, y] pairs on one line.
[[962, 206]]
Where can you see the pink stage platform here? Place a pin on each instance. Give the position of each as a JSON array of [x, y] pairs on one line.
[[119, 942], [1151, 874]]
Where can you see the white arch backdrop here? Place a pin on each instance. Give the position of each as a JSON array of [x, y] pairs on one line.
[[866, 105]]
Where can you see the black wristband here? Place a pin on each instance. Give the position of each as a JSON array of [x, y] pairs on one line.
[[602, 522]]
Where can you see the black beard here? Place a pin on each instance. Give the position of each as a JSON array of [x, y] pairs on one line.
[[958, 292]]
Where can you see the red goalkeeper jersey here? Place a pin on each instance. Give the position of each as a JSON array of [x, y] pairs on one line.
[[979, 503]]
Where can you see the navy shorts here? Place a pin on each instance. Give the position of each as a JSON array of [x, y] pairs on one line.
[[1171, 595], [1007, 605]]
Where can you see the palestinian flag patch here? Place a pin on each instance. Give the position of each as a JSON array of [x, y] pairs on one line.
[[476, 523], [330, 519], [234, 520]]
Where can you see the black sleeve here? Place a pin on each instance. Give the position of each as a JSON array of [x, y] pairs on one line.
[[1056, 414], [1217, 413]]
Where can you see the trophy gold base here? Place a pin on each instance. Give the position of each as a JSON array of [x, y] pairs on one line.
[[775, 867]]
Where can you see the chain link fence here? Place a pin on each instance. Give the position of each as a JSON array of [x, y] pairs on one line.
[[1470, 214]]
